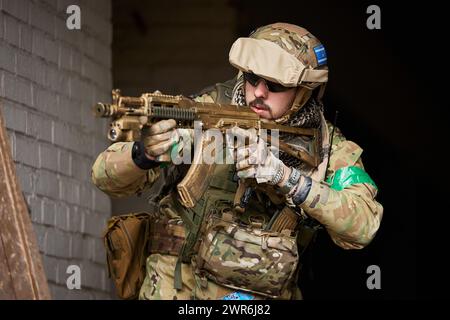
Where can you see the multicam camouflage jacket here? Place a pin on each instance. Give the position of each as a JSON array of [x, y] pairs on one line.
[[347, 208]]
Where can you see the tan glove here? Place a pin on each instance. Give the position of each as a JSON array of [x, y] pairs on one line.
[[257, 160], [164, 141]]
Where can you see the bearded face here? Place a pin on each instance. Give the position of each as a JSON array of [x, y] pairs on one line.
[[267, 104]]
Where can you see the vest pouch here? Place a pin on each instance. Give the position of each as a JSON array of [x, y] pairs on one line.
[[129, 239], [126, 241], [248, 259]]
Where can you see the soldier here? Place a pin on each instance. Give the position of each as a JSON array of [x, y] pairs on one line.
[[247, 249]]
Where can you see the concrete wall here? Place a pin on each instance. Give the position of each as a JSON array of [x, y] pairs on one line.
[[50, 77]]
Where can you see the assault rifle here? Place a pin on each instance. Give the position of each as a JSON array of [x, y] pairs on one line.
[[132, 116]]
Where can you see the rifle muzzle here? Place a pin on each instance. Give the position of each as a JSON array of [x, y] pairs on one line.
[[105, 110]]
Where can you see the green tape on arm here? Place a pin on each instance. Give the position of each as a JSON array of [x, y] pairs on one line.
[[347, 176], [173, 149]]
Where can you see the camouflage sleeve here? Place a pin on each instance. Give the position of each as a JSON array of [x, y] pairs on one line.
[[115, 173], [351, 216], [206, 97]]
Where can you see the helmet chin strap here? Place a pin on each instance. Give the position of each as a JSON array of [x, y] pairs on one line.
[[321, 91], [302, 96]]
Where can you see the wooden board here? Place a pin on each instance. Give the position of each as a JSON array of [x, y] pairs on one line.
[[22, 274]]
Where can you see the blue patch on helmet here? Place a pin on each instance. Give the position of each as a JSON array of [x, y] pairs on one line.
[[321, 55], [238, 296]]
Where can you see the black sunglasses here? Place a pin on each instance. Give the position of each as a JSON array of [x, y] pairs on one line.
[[253, 79]]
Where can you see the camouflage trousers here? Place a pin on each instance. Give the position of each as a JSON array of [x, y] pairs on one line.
[[159, 280]]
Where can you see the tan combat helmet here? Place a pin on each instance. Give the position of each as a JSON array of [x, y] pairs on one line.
[[286, 54]]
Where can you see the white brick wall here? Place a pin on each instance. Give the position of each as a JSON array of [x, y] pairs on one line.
[[49, 79]]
